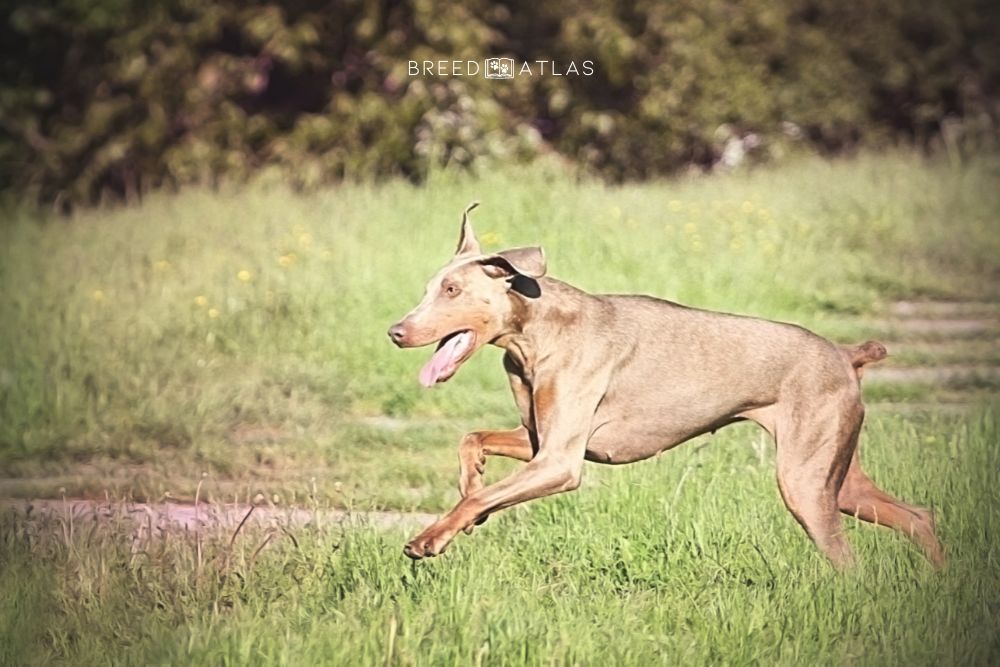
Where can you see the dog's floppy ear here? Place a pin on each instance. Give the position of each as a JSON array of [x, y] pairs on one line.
[[528, 262], [467, 243]]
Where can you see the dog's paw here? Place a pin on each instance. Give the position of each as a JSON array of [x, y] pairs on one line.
[[426, 545]]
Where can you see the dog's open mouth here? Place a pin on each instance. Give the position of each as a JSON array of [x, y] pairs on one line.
[[451, 352]]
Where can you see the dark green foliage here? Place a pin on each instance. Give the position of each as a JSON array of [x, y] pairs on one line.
[[116, 96]]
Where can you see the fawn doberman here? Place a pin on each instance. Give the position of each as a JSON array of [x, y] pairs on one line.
[[620, 378]]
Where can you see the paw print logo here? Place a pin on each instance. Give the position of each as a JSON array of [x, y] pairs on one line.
[[499, 68]]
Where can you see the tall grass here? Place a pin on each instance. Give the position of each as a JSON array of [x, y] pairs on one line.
[[234, 341], [687, 559], [243, 331]]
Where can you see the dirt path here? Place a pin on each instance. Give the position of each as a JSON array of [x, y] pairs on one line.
[[958, 341], [162, 517], [965, 374]]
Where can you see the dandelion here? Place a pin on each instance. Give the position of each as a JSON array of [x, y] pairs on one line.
[[244, 276], [747, 207], [97, 295], [305, 239], [690, 228], [161, 265], [675, 205], [491, 238], [696, 244], [616, 212], [286, 261], [200, 301], [213, 312]]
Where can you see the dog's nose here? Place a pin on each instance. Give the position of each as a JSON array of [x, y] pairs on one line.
[[397, 333]]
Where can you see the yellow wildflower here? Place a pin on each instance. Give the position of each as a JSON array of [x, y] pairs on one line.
[[491, 238], [98, 295], [305, 239], [675, 205], [287, 260], [244, 276], [747, 207], [213, 312], [200, 300], [161, 265]]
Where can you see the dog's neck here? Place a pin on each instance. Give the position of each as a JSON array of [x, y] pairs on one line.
[[539, 324]]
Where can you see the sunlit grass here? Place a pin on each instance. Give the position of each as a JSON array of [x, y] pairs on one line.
[[686, 559], [155, 335], [234, 342]]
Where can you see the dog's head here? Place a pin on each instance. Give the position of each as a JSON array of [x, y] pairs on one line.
[[468, 303]]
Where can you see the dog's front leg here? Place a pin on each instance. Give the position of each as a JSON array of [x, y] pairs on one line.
[[542, 476], [476, 446], [564, 427]]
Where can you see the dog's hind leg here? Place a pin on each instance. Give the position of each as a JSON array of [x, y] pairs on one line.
[[860, 498], [814, 449]]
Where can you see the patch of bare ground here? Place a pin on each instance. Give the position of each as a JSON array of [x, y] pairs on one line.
[[942, 320], [918, 327], [945, 309], [947, 343], [165, 517], [950, 352], [963, 375]]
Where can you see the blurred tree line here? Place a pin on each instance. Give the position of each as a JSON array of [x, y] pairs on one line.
[[112, 97]]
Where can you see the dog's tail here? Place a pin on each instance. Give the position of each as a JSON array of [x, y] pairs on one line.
[[865, 353]]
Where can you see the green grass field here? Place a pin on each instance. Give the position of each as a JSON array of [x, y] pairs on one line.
[[239, 337], [687, 559], [235, 340]]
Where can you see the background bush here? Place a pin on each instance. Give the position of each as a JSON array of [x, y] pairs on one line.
[[112, 97]]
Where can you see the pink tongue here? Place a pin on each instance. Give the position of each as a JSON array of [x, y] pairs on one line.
[[443, 359]]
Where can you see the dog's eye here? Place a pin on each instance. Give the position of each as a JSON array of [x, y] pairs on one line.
[[452, 290]]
